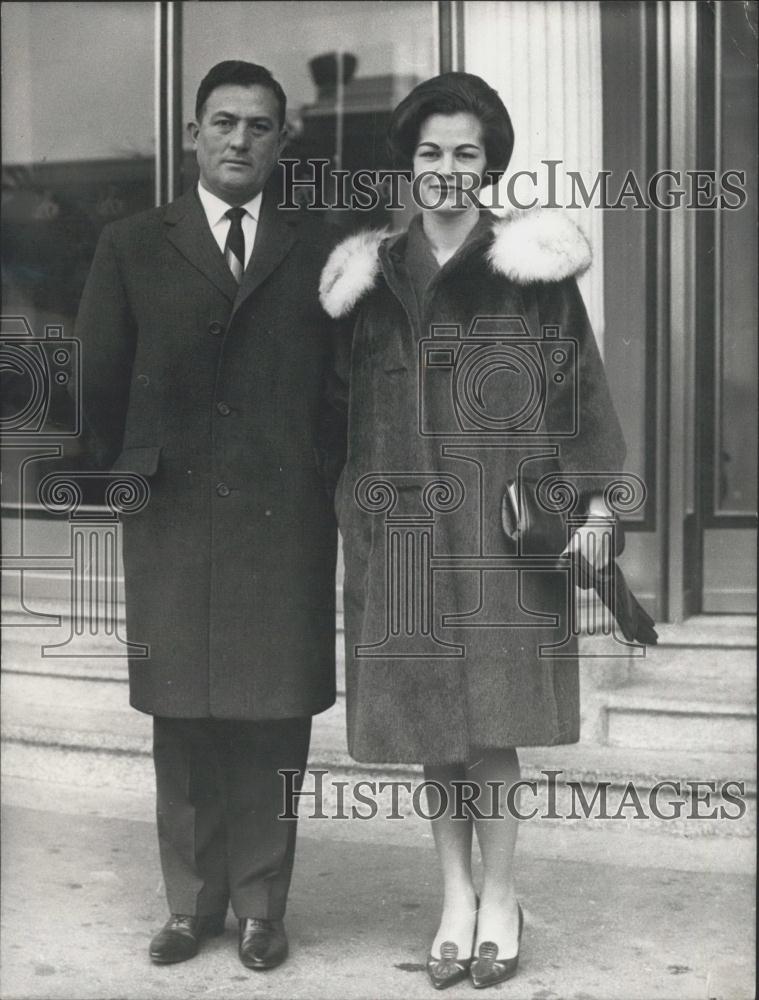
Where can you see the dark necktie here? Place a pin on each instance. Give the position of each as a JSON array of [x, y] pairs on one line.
[[234, 248]]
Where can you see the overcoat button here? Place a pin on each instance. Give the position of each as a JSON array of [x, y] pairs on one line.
[[215, 328], [143, 380], [223, 490], [224, 409]]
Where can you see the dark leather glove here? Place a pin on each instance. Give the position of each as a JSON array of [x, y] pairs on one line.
[[610, 585]]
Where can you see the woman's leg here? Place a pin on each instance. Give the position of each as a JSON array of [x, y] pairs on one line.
[[453, 840], [498, 916]]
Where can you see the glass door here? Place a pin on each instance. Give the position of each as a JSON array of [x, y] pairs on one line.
[[343, 67], [728, 317]]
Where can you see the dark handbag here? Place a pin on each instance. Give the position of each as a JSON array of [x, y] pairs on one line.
[[537, 531], [534, 530]]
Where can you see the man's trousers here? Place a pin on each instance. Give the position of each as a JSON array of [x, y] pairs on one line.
[[219, 795]]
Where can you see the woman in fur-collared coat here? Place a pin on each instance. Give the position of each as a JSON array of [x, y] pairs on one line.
[[473, 365]]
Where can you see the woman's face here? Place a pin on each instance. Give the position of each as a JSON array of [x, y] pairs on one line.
[[451, 146]]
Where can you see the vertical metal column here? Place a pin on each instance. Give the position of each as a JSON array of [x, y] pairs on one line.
[[168, 101], [662, 252], [451, 35], [677, 54]]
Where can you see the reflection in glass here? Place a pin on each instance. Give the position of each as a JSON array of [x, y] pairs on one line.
[[78, 138], [383, 49]]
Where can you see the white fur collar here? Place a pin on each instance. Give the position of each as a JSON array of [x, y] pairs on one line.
[[350, 272], [538, 244]]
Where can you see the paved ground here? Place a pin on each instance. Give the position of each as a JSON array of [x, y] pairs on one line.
[[608, 915]]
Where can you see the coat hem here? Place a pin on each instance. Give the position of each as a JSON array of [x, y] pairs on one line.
[[441, 759], [268, 717]]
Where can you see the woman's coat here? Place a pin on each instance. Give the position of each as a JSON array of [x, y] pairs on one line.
[[447, 643]]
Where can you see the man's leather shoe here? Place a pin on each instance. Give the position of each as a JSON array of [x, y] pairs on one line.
[[263, 943], [180, 937]]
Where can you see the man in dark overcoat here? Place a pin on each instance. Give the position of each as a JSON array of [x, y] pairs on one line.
[[204, 353]]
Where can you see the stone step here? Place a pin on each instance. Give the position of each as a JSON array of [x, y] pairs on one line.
[[55, 614], [45, 587], [22, 647], [670, 708], [684, 664], [673, 704], [672, 661], [48, 591], [718, 631], [687, 716], [699, 698], [95, 715]]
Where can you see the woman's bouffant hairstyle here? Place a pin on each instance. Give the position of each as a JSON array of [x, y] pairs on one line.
[[449, 94]]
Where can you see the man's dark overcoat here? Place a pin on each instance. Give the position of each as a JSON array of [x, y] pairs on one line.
[[214, 393], [409, 699]]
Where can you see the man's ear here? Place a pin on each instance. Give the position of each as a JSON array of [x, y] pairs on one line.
[[192, 131], [284, 138]]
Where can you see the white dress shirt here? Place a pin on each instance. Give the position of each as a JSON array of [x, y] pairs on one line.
[[216, 210]]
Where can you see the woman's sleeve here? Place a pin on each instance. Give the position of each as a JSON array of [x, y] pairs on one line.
[[580, 410]]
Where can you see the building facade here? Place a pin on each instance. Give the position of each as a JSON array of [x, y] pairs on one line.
[[655, 102]]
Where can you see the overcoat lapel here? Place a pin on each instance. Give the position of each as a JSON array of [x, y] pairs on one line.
[[187, 228], [275, 235]]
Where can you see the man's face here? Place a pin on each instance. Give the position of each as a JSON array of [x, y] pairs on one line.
[[237, 141]]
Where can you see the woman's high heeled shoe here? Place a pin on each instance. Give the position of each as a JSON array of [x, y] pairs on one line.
[[449, 969], [487, 969]]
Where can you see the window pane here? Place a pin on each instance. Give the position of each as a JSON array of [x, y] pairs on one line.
[[77, 141], [394, 45], [78, 138], [735, 488]]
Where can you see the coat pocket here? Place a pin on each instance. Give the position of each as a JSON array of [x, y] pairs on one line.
[[143, 461]]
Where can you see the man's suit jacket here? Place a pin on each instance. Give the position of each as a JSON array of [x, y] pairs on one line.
[[215, 393]]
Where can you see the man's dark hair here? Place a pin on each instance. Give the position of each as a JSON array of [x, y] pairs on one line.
[[244, 74], [449, 94]]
